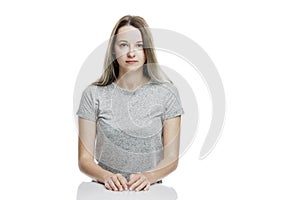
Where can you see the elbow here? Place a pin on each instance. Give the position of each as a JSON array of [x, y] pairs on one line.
[[175, 164], [83, 163], [171, 161]]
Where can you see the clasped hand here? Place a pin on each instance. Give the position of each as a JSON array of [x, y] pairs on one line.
[[137, 182]]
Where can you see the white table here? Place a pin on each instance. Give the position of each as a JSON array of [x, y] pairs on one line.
[[93, 191]]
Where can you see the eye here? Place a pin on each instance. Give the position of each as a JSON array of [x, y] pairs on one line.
[[140, 45], [123, 45]]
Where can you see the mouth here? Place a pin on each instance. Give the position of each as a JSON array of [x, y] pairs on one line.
[[131, 61]]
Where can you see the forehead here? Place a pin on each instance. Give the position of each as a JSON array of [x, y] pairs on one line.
[[129, 33]]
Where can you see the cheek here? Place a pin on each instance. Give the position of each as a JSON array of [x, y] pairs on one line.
[[119, 52], [121, 59], [120, 55]]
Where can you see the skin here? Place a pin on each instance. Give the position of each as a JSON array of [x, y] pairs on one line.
[[127, 48]]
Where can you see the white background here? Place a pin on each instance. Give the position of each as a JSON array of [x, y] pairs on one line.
[[254, 44]]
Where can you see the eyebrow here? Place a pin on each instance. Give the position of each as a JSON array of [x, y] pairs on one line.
[[127, 41]]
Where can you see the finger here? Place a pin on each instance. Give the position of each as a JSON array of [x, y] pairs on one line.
[[147, 187], [133, 178], [137, 183], [107, 186], [141, 186], [112, 185], [123, 181], [117, 184]]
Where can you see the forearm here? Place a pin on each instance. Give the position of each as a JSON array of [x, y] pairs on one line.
[[164, 168], [90, 168], [171, 142]]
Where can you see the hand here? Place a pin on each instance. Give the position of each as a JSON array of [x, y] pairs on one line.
[[115, 182], [138, 182]]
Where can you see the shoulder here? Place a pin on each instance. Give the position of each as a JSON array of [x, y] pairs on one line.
[[96, 92], [167, 88], [97, 89], [90, 88]]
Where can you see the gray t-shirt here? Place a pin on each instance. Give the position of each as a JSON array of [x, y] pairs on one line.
[[129, 136]]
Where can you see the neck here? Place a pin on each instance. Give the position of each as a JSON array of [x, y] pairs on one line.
[[131, 79]]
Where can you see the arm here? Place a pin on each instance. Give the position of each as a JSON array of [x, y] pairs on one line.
[[86, 146], [171, 133]]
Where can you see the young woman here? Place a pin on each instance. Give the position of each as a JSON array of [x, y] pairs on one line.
[[129, 119]]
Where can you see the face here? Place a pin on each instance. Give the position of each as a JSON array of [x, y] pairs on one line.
[[128, 48]]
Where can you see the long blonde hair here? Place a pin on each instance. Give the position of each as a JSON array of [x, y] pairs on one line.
[[151, 69]]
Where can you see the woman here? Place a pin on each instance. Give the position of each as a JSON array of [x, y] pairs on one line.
[[129, 120]]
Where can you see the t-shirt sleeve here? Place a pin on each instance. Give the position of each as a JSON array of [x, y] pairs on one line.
[[173, 106], [88, 105]]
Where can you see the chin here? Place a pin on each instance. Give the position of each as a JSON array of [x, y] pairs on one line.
[[133, 67]]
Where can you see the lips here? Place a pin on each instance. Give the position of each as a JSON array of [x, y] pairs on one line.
[[131, 61]]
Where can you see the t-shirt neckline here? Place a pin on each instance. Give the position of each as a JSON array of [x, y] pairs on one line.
[[131, 91]]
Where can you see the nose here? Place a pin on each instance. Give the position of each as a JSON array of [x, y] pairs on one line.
[[131, 53]]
